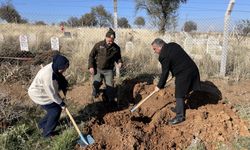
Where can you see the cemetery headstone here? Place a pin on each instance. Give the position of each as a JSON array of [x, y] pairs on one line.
[[54, 43], [214, 48], [23, 39]]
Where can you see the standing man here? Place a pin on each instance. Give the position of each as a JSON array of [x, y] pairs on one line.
[[101, 64], [44, 90], [174, 59]]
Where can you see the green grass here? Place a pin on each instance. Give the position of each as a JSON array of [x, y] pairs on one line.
[[242, 143]]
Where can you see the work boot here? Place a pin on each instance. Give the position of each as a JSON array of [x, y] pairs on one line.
[[96, 90]]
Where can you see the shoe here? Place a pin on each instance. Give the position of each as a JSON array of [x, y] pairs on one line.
[[95, 93], [52, 134], [173, 109], [176, 120]]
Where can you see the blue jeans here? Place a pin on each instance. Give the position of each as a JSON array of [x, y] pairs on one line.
[[49, 122]]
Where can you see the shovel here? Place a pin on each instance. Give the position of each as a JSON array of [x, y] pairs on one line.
[[142, 101], [83, 141]]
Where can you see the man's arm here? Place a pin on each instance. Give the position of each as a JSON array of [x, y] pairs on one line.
[[92, 61], [118, 57], [92, 56], [165, 72]]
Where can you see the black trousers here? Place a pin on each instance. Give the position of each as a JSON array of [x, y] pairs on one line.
[[49, 122], [180, 108]]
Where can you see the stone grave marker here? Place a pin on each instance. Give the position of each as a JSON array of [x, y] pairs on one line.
[[23, 39], [54, 43], [214, 48], [1, 37], [188, 44], [166, 38], [67, 34], [32, 38]]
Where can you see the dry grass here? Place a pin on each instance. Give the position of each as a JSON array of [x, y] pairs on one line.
[[138, 60]]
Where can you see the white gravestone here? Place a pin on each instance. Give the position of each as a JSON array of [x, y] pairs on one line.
[[32, 38], [188, 44], [214, 48], [1, 38], [129, 47], [24, 43], [166, 38], [54, 43]]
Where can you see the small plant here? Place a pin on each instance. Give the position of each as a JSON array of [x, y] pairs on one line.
[[8, 111], [242, 143], [65, 141], [15, 138]]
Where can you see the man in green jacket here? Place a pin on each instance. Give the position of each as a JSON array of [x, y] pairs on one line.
[[101, 64]]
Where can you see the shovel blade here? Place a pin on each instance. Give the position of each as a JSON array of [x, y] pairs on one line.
[[90, 139], [86, 140]]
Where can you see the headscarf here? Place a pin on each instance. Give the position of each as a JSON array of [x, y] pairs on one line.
[[60, 62]]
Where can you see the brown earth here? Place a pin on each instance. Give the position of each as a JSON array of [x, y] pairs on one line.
[[209, 119]]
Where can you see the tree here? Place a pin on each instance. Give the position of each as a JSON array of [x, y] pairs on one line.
[[103, 18], [160, 11], [139, 22], [40, 23], [9, 13], [88, 19], [63, 23], [123, 23], [242, 30], [190, 26], [73, 22]]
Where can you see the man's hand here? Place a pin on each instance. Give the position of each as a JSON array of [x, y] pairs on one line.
[[92, 71], [157, 89], [63, 105], [119, 65]]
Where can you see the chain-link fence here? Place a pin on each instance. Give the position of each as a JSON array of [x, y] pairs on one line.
[[35, 44]]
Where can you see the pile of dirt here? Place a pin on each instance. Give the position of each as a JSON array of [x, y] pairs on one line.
[[208, 120]]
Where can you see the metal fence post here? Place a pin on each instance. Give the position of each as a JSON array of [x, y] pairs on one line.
[[225, 38]]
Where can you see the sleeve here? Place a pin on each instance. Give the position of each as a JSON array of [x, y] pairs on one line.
[[51, 88], [92, 56], [118, 58], [165, 63]]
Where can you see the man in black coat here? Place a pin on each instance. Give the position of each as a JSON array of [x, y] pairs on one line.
[[174, 59]]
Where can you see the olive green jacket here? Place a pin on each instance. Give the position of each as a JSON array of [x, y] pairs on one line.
[[103, 56]]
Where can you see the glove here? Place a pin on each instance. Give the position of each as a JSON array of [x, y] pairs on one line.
[[62, 105]]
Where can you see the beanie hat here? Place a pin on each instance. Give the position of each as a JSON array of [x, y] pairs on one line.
[[110, 33], [59, 62]]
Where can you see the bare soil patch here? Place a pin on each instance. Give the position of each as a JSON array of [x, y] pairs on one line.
[[208, 118]]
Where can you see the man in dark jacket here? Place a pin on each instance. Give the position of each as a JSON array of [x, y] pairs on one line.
[[101, 64], [174, 59]]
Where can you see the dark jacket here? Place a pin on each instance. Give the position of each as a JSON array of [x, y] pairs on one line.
[[103, 56], [174, 59]]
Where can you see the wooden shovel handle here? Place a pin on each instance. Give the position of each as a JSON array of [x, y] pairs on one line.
[[73, 121], [142, 101]]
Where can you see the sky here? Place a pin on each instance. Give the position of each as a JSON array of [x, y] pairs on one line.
[[209, 13]]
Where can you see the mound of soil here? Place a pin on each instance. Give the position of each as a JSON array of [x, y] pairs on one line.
[[208, 120]]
